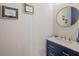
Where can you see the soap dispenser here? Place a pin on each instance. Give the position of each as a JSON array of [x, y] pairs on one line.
[[78, 36]]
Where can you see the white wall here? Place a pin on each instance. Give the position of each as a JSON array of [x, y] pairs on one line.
[[15, 34], [42, 27], [65, 31], [27, 35]]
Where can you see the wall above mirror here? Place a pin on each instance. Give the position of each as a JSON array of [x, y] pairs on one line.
[[67, 16]]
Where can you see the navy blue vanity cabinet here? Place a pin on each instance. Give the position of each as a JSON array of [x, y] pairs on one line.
[[54, 49]]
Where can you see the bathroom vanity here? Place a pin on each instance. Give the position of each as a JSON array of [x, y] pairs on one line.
[[64, 46], [60, 47]]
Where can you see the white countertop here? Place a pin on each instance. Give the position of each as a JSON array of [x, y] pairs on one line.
[[69, 44]]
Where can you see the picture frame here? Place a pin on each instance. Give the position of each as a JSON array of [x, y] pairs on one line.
[[29, 9], [9, 12]]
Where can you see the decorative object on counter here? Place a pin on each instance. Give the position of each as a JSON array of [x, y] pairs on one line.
[[8, 12], [29, 9], [63, 37], [69, 39], [67, 16], [78, 37], [56, 36]]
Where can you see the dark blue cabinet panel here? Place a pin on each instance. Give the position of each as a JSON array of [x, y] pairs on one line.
[[54, 49]]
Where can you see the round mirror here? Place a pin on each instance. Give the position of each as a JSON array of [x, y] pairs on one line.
[[67, 16]]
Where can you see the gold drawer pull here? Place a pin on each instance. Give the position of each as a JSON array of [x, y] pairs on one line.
[[65, 53]]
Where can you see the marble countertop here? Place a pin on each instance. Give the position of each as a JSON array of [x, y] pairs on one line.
[[69, 44]]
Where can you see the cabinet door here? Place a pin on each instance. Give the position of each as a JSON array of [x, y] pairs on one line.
[[53, 49], [53, 45]]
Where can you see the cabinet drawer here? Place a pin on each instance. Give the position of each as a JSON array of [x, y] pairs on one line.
[[69, 52], [53, 49], [51, 52], [65, 51], [54, 46]]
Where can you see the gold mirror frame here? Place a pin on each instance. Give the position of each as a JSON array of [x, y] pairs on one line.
[[60, 11]]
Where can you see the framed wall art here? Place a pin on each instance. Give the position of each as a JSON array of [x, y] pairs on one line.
[[29, 9], [8, 12]]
